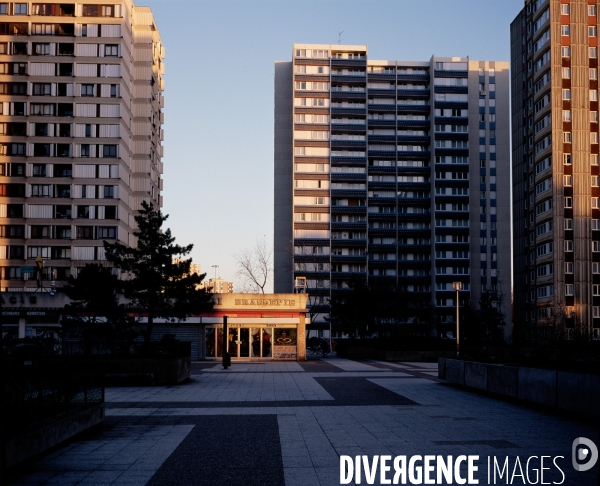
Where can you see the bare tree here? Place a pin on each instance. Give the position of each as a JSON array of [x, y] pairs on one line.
[[254, 267]]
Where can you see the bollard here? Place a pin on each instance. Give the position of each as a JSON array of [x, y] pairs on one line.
[[226, 356]]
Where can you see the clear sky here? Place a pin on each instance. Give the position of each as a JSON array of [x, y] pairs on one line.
[[218, 157]]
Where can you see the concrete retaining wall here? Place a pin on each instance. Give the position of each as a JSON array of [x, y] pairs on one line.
[[29, 445], [367, 352], [132, 371], [568, 391]]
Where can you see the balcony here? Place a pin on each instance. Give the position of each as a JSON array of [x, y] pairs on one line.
[[349, 225], [342, 176], [413, 123], [349, 243], [413, 108], [382, 107], [413, 93], [349, 193], [412, 77], [348, 111]]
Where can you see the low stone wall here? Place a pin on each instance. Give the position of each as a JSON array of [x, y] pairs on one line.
[[567, 391], [367, 352], [25, 447], [165, 371], [132, 371]]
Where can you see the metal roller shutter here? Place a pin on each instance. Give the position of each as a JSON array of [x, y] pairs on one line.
[[182, 333]]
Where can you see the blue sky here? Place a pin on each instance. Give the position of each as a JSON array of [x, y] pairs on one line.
[[218, 162]]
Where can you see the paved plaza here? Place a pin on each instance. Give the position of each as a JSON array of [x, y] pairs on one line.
[[288, 424]]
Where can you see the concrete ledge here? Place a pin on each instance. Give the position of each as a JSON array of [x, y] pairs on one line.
[[580, 393], [568, 391], [503, 380], [22, 448], [134, 371], [476, 375], [455, 371], [538, 386], [442, 369]]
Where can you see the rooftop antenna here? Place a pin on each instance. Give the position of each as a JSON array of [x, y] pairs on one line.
[[340, 36]]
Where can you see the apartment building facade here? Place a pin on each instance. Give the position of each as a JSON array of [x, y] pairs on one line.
[[80, 144], [396, 172], [554, 66]]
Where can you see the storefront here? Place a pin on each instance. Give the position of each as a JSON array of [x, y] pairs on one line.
[[259, 327]]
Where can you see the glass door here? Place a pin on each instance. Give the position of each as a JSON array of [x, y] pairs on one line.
[[244, 342]]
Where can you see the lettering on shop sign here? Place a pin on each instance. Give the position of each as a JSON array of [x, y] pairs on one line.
[[265, 302]]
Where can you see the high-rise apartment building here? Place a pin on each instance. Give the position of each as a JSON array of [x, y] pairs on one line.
[[217, 286], [80, 132], [397, 172], [554, 61]]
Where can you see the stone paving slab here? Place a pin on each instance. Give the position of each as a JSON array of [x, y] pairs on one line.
[[225, 428]]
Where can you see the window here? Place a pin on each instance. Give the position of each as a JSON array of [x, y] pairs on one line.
[[568, 202], [110, 212], [593, 95], [41, 190], [90, 10], [42, 89], [109, 151], [87, 90], [568, 180], [596, 246], [595, 202], [569, 289], [566, 73], [594, 137], [594, 159], [595, 224], [593, 52], [20, 9], [85, 232], [594, 116], [565, 51], [595, 289], [567, 137], [564, 9], [109, 192], [111, 50], [568, 267], [594, 73], [108, 233], [567, 160], [566, 115], [565, 30], [88, 130], [83, 212], [566, 94], [85, 150], [593, 31], [594, 180], [568, 245], [39, 170], [595, 267], [568, 224], [114, 90]]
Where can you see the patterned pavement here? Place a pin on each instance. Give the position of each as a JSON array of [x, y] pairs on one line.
[[289, 423]]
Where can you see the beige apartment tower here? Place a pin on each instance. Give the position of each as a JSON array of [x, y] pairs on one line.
[[554, 60], [393, 172], [80, 132]]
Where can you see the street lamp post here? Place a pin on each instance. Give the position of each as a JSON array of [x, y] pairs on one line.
[[457, 286], [215, 280]]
